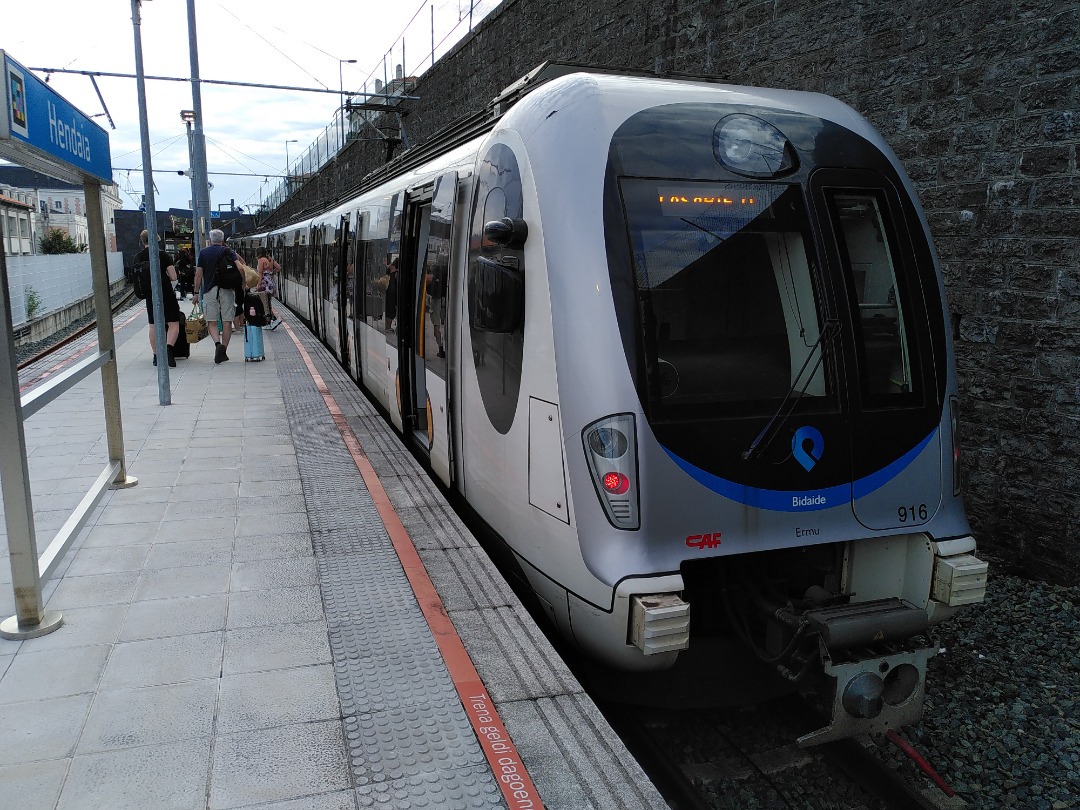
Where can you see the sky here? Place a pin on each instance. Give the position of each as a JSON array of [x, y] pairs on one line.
[[298, 44]]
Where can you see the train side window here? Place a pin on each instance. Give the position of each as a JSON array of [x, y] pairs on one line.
[[496, 288], [884, 343]]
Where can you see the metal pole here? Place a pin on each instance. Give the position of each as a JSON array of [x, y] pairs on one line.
[[202, 186], [288, 169], [110, 384], [196, 237], [31, 618], [153, 246], [341, 98]]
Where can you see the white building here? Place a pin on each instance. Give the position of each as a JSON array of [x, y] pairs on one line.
[[17, 221], [54, 204]]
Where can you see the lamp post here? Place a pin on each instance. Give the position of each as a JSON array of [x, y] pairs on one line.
[[188, 117], [341, 98], [288, 175], [202, 225]]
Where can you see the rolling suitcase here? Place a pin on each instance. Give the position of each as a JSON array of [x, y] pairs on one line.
[[182, 349], [253, 344]]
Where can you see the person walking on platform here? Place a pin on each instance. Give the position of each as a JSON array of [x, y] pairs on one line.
[[218, 275], [185, 274], [168, 296], [267, 267]]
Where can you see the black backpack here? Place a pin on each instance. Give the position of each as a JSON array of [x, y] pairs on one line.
[[228, 277], [254, 312], [140, 280]]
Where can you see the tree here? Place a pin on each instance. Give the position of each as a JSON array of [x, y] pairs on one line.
[[56, 241]]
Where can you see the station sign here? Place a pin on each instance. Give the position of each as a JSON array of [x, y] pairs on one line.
[[39, 129]]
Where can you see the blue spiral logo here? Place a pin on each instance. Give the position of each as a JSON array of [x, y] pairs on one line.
[[807, 458]]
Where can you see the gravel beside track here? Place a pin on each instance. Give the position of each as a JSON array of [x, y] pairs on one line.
[[1002, 722]]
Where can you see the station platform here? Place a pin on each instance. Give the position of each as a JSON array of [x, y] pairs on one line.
[[283, 613]]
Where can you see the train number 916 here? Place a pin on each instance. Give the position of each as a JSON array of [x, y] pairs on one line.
[[912, 514]]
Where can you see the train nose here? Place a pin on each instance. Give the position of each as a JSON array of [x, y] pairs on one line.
[[863, 695]]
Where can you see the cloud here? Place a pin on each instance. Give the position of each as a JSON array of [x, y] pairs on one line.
[[238, 40]]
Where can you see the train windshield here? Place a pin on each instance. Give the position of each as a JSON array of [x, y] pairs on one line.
[[726, 298]]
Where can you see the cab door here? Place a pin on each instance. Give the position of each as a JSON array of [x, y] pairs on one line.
[[895, 342]]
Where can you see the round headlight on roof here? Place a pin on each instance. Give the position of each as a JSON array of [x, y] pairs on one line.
[[751, 147]]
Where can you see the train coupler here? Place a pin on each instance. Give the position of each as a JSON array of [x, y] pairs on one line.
[[873, 690]]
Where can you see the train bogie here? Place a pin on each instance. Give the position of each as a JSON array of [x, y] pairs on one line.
[[683, 348]]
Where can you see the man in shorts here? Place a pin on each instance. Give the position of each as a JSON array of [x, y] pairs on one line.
[[218, 299]]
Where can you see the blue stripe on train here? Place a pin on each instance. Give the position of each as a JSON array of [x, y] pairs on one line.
[[805, 500]]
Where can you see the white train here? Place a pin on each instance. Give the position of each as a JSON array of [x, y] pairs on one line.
[[683, 346]]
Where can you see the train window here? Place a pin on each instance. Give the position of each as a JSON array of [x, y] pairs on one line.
[[727, 306], [496, 288], [884, 351]]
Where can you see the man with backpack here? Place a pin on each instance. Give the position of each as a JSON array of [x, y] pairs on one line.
[[218, 275]]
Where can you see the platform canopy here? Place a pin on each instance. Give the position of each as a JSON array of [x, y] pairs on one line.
[[42, 131]]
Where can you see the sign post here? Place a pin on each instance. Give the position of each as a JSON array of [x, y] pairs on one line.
[[40, 130]]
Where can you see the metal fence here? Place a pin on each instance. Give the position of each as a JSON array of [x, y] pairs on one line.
[[429, 36]]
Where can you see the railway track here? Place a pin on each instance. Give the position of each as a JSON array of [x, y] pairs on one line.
[[721, 759], [121, 302], [42, 362]]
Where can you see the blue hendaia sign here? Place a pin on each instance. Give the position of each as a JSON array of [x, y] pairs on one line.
[[39, 129]]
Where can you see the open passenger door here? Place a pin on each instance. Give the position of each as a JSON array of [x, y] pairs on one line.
[[422, 331]]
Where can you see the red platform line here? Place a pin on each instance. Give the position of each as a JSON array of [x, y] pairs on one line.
[[510, 773]]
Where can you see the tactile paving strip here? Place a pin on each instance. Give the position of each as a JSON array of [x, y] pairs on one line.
[[399, 743], [410, 742], [461, 788]]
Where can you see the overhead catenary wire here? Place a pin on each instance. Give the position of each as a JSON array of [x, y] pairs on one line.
[[278, 48], [450, 23], [231, 153]]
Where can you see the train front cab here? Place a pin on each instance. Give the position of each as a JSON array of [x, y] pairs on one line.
[[796, 443]]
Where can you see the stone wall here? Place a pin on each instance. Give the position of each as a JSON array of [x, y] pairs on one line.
[[981, 102]]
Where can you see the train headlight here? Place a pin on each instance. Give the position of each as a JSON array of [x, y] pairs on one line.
[[608, 442], [611, 453], [751, 147]]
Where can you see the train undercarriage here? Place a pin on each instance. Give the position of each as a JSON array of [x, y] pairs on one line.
[[855, 644]]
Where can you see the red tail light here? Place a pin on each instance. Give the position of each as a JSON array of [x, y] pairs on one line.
[[616, 483]]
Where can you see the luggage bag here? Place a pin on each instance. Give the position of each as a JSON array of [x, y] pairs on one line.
[[182, 349], [253, 344]]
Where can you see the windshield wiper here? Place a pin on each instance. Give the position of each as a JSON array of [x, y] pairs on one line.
[[760, 444], [716, 236]]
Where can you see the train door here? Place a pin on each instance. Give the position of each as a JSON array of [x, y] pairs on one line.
[[314, 286], [894, 340], [346, 294], [411, 318], [429, 216], [330, 279], [395, 313]]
